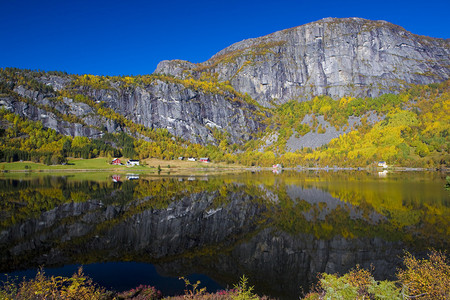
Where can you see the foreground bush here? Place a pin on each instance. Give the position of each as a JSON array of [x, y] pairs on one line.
[[241, 291], [142, 292], [426, 278], [356, 284], [421, 279], [41, 287], [81, 287]]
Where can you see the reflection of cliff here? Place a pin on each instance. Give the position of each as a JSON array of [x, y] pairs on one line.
[[92, 231], [280, 264], [191, 235], [279, 236]]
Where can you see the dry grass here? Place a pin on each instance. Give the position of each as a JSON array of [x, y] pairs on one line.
[[184, 164]]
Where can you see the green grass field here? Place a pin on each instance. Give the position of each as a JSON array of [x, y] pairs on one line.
[[94, 164]]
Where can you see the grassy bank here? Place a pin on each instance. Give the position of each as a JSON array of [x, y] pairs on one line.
[[102, 164]]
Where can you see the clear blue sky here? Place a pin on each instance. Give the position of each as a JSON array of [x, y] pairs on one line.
[[131, 37]]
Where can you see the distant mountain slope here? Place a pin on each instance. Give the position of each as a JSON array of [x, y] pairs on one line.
[[334, 57], [310, 93], [198, 111]]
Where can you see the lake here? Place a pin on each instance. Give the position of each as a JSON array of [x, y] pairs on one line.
[[280, 230]]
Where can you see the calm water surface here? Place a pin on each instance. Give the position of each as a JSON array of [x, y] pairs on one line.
[[279, 230]]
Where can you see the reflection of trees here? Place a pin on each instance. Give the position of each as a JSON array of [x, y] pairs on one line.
[[361, 205], [292, 221]]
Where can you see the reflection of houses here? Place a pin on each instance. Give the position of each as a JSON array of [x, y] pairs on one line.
[[133, 162], [116, 162], [132, 176], [191, 159], [382, 164], [115, 178], [383, 174], [205, 159]]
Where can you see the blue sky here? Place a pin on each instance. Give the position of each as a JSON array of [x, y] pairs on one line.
[[131, 37]]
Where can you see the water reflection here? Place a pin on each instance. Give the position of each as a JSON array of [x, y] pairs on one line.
[[279, 230]]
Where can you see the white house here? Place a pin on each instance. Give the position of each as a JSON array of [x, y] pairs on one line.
[[191, 159], [382, 164], [133, 162]]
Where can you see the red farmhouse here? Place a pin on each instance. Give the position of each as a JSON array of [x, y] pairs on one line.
[[116, 161]]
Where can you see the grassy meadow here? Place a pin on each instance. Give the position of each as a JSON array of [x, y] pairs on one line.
[[103, 164]]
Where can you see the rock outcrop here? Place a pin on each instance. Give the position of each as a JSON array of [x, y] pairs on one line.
[[334, 57], [184, 112], [187, 113]]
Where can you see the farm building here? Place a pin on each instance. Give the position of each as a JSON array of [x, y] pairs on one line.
[[116, 161], [382, 164], [133, 162]]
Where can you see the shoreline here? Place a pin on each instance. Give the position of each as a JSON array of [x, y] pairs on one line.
[[226, 169], [174, 166]]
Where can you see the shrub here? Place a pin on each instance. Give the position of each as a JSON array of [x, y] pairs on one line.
[[244, 291], [142, 292], [426, 278], [192, 290], [41, 287], [356, 284], [422, 279]]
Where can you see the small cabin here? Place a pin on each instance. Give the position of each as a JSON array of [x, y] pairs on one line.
[[382, 164], [277, 166], [116, 161], [181, 158], [191, 159], [205, 159], [133, 162]]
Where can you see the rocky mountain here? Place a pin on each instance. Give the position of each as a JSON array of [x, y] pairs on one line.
[[226, 95], [187, 112], [335, 57]]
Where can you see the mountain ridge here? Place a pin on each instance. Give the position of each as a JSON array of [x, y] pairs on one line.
[[334, 57], [294, 90]]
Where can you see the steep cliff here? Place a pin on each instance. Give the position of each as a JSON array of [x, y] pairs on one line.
[[187, 111], [223, 99], [334, 57]]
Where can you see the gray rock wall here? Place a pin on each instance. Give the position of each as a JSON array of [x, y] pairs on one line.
[[186, 113], [334, 57], [189, 114]]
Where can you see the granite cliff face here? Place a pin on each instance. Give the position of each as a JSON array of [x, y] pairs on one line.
[[334, 57], [187, 113]]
